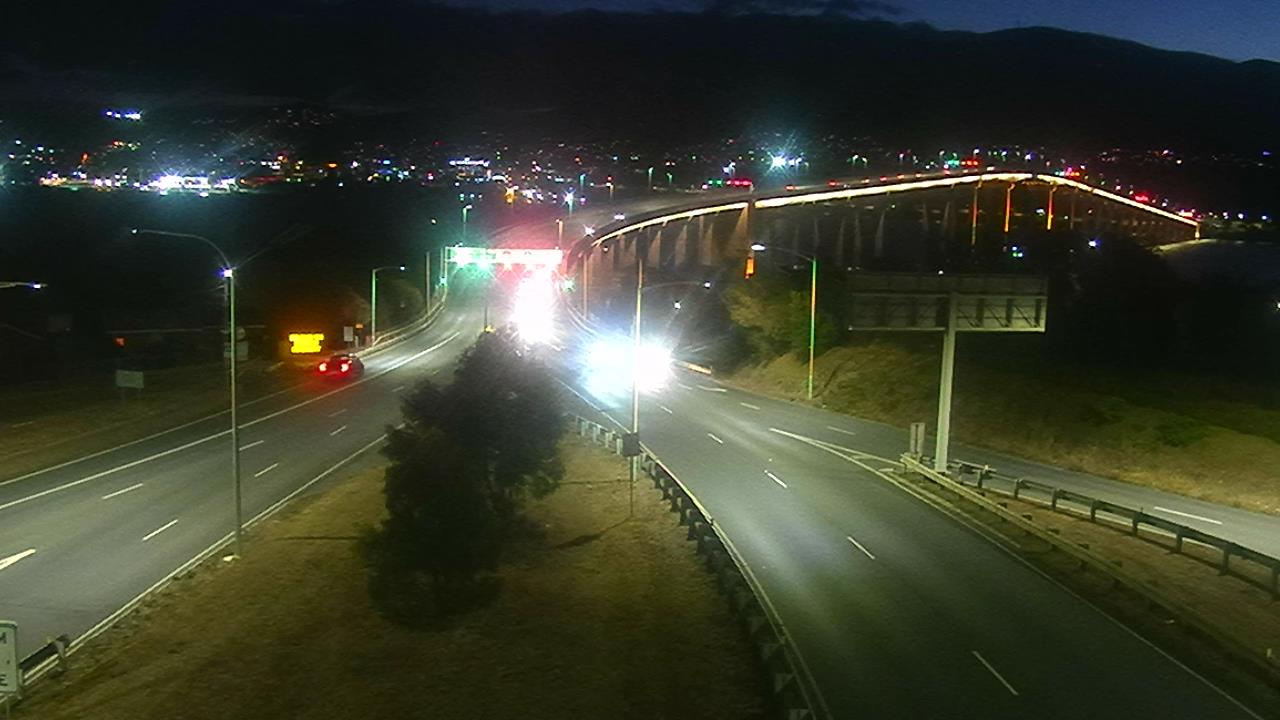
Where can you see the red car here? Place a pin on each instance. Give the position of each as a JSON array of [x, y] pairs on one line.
[[341, 366]]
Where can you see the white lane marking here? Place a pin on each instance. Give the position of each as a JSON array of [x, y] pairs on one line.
[[131, 488], [775, 478], [859, 546], [336, 414], [840, 430], [104, 473], [335, 432], [253, 444], [152, 436], [160, 529], [6, 562], [749, 405], [832, 447], [397, 388], [266, 469], [193, 443], [1187, 515], [992, 670], [686, 387], [713, 437], [708, 388], [666, 409]]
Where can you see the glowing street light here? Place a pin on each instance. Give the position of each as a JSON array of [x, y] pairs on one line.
[[373, 299], [228, 275], [568, 200], [813, 304], [30, 285]]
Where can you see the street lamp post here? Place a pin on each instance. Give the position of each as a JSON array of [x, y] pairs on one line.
[[813, 305], [465, 210], [559, 232], [373, 300], [228, 275]]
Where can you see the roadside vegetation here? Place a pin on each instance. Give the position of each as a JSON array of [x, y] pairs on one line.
[[1142, 377], [451, 582]]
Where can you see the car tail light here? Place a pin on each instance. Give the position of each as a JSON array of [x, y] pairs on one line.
[[344, 367], [324, 366]]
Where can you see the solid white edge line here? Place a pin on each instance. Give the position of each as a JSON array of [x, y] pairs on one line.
[[266, 469], [159, 530], [193, 443], [775, 478], [1186, 515], [992, 670], [13, 559], [859, 546], [253, 444], [37, 672], [131, 488]]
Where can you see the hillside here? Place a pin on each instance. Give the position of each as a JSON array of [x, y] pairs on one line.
[[435, 68]]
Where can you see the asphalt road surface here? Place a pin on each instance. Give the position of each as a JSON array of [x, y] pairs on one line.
[[80, 540], [898, 610]]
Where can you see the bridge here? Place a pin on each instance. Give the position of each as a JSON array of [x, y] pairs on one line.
[[903, 223]]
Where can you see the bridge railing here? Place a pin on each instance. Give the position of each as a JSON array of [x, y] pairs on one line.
[[791, 683], [986, 478]]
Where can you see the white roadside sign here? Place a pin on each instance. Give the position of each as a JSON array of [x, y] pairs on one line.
[[9, 681]]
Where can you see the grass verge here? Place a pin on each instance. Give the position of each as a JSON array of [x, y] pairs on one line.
[[1210, 440], [599, 617]]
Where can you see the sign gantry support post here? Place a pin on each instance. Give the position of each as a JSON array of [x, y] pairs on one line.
[[944, 391]]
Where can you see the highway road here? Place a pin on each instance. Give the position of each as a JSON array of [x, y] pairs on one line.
[[80, 540], [898, 610]]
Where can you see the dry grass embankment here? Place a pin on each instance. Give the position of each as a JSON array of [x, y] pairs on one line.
[[42, 424], [598, 618], [1181, 434]]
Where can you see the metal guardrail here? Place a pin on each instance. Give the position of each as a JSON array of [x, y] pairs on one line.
[[1183, 613], [394, 336], [1068, 501], [791, 683]]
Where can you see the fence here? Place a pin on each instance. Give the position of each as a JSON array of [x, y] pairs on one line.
[[984, 477], [1184, 614], [790, 681]]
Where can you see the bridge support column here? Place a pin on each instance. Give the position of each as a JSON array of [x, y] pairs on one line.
[[840, 242], [878, 249], [1048, 220], [1008, 207], [857, 237]]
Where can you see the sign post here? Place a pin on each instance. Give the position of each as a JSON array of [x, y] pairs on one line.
[[949, 304], [10, 672]]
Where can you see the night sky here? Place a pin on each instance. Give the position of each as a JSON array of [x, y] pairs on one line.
[[1233, 29]]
